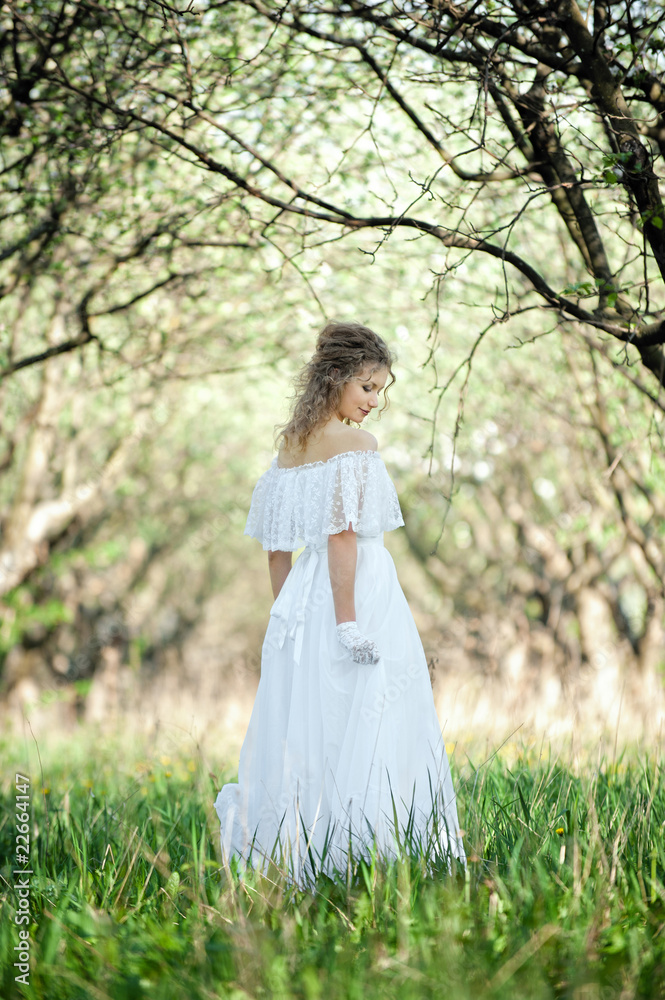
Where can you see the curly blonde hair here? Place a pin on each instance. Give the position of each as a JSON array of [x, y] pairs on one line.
[[343, 350]]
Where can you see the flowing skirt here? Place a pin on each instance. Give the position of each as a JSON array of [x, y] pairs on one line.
[[339, 756]]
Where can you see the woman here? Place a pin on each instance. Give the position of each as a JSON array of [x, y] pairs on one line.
[[343, 753]]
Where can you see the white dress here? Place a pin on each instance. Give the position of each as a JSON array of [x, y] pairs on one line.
[[338, 756]]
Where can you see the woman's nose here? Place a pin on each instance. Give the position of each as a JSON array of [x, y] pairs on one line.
[[373, 400]]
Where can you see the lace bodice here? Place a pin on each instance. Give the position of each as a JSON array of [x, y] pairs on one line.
[[305, 504]]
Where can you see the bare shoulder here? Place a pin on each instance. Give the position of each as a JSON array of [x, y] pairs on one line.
[[290, 459], [354, 439], [284, 458], [326, 445]]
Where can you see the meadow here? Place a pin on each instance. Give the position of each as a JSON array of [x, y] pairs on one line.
[[563, 895]]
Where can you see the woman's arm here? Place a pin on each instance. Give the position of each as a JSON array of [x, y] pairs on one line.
[[279, 564], [342, 557]]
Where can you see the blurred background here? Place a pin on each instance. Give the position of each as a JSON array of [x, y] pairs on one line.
[[187, 198]]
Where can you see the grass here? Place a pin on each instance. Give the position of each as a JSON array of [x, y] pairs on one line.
[[563, 896]]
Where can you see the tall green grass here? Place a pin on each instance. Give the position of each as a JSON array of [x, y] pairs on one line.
[[563, 895]]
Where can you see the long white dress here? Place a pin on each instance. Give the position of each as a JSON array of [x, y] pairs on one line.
[[340, 758]]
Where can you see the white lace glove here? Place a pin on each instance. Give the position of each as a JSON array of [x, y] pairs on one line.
[[362, 649]]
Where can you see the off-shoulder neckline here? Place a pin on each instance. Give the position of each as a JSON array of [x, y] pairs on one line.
[[312, 465]]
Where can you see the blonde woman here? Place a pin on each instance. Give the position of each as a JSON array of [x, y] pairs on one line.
[[344, 752]]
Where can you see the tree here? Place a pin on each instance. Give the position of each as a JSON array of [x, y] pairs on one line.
[[562, 105], [107, 249], [512, 107], [159, 158]]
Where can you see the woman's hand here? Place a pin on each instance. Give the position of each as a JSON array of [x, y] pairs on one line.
[[362, 649]]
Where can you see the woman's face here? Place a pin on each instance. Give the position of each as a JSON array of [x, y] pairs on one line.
[[360, 394]]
